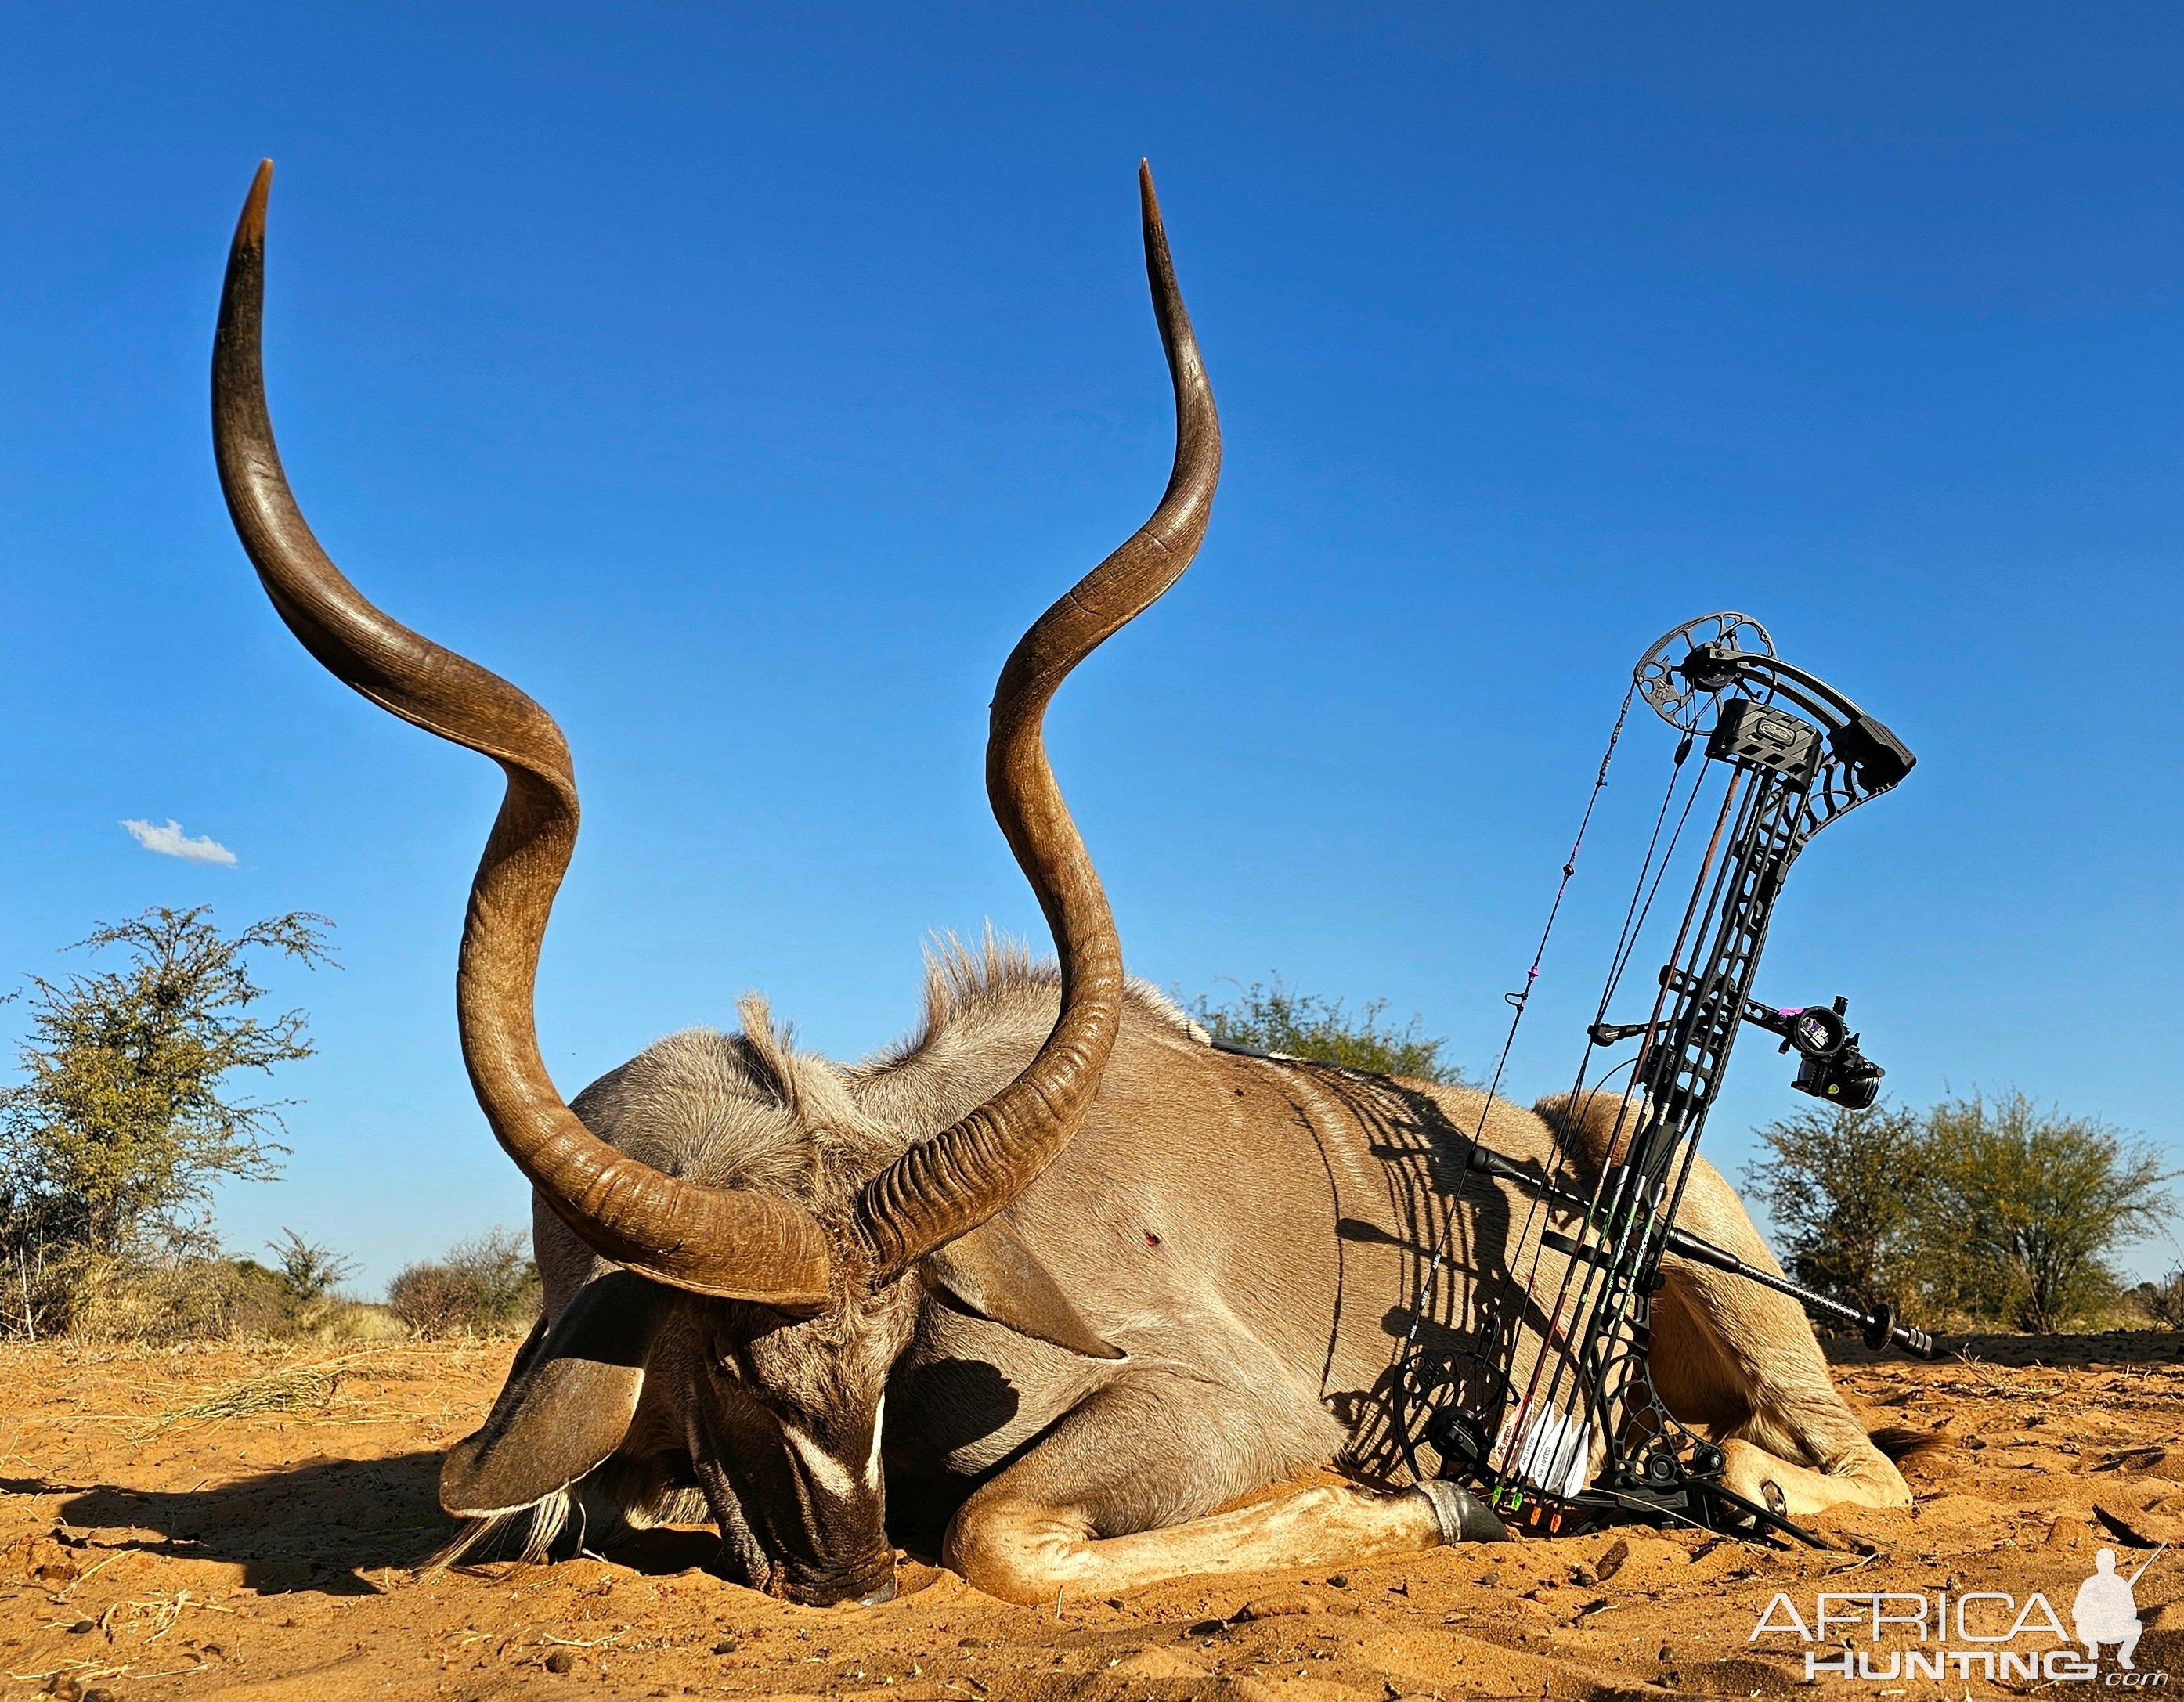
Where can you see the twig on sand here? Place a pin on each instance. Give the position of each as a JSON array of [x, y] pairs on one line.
[[168, 1613], [83, 1672], [62, 1594], [90, 1671], [1859, 1565]]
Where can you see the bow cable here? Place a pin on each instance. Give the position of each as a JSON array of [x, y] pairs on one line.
[[1517, 1001]]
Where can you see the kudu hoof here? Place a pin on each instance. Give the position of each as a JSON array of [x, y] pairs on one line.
[[1462, 1516]]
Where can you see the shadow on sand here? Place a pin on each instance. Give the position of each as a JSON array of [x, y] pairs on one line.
[[328, 1526], [2112, 1347]]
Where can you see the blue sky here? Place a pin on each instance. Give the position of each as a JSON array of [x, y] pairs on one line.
[[741, 381]]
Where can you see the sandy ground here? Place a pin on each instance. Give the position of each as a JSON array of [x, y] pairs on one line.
[[271, 1555]]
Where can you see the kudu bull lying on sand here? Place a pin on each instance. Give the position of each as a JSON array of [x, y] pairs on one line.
[[1054, 1259]]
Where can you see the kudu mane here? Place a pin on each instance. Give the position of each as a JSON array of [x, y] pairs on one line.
[[750, 1110], [985, 1005]]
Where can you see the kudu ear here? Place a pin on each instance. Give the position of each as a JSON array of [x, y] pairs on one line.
[[568, 1402], [989, 1273]]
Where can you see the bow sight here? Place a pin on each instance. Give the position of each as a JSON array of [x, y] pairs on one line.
[[1551, 1417]]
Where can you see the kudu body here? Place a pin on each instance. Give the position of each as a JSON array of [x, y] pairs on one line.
[[1055, 1271]]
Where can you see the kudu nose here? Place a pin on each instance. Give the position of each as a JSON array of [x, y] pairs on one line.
[[846, 1590]]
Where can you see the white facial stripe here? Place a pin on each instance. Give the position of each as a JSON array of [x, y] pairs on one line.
[[824, 1469], [873, 1465]]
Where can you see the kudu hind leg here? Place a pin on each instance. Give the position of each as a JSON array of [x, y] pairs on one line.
[[1114, 1498], [1742, 1361]]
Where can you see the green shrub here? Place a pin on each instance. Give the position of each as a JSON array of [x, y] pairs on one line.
[[2031, 1202], [485, 1286], [1849, 1193], [1272, 1018], [1976, 1211]]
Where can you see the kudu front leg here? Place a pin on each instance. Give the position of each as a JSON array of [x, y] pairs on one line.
[[1106, 1503]]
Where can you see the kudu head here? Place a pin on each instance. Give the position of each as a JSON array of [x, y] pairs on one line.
[[752, 1312]]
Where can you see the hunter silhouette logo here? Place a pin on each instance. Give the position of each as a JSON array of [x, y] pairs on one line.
[[1963, 1634], [2106, 1611]]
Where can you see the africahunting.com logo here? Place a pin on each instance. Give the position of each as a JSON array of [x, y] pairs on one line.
[[1945, 1635]]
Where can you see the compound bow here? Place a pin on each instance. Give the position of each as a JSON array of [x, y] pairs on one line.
[[1551, 1417]]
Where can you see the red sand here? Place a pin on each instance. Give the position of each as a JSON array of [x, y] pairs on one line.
[[269, 1557]]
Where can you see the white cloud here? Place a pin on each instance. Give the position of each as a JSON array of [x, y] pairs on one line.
[[172, 841]]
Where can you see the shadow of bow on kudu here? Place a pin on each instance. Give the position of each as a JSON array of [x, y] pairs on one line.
[[1055, 1258]]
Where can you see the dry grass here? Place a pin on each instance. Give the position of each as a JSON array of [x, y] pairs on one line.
[[288, 1388], [164, 1303]]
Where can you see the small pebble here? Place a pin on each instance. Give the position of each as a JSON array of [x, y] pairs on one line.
[[560, 1661]]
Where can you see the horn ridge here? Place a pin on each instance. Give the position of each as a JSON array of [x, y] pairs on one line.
[[942, 1187], [705, 1240]]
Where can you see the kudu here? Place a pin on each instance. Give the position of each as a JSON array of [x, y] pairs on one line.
[[1056, 1264]]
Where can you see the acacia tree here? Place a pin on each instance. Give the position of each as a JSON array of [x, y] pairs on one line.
[[123, 1119], [309, 1270], [1996, 1209], [2034, 1201], [1847, 1190]]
